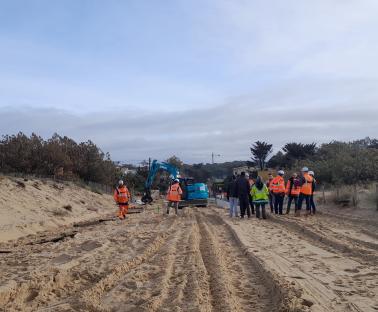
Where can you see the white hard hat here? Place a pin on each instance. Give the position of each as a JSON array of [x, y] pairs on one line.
[[176, 180], [120, 182], [311, 173], [281, 172], [247, 174], [304, 169]]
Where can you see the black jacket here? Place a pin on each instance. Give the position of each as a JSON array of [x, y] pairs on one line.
[[232, 190], [243, 187]]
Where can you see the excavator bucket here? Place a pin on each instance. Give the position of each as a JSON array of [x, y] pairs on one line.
[[147, 198]]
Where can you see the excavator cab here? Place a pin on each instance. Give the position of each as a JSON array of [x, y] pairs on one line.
[[194, 193]]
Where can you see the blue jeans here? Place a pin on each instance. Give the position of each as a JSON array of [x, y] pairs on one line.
[[234, 206]]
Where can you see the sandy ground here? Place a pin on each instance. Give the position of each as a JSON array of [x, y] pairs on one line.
[[28, 207], [200, 260]]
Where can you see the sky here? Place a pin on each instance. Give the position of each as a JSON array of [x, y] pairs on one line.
[[145, 78]]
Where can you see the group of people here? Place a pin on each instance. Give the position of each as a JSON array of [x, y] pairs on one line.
[[253, 195], [122, 197]]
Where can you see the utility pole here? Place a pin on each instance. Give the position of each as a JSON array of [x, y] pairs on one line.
[[149, 164], [212, 157], [212, 179]]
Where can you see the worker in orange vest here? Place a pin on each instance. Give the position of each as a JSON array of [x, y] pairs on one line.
[[306, 184], [292, 191], [122, 197], [174, 195], [277, 187]]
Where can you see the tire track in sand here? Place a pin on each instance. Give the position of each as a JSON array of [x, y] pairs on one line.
[[91, 298], [53, 287], [359, 253], [235, 282], [173, 279]]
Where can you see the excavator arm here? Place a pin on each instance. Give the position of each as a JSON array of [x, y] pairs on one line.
[[155, 167]]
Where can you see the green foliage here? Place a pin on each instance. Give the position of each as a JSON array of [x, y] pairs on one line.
[[203, 172], [344, 163], [136, 181], [260, 152], [34, 155], [334, 163], [277, 161], [175, 161]]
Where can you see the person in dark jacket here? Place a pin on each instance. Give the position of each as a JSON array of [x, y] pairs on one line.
[[271, 196], [232, 197], [312, 203], [243, 190], [251, 183], [292, 191]]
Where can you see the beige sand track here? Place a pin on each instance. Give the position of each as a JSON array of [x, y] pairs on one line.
[[199, 261]]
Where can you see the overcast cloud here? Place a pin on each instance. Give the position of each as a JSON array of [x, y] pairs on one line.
[[189, 78]]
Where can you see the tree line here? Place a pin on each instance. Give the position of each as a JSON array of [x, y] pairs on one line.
[[335, 162], [58, 156]]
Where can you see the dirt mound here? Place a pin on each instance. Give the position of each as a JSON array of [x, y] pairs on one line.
[[30, 206]]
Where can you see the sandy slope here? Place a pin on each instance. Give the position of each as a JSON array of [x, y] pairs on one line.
[[27, 207], [199, 261]]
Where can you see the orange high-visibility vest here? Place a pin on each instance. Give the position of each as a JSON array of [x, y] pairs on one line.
[[306, 188], [269, 184], [277, 185], [295, 190], [174, 192], [121, 195]]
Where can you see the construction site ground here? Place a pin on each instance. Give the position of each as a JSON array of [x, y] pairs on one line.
[[201, 260]]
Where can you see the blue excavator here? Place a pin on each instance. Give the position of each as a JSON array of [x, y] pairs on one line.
[[194, 193]]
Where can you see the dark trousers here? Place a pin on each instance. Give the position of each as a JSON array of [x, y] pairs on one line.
[[271, 202], [312, 204], [244, 205], [262, 210], [251, 204], [173, 204], [289, 200], [278, 203], [306, 198]]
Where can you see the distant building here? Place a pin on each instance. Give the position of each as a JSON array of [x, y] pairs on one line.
[[126, 168], [129, 171], [246, 169]]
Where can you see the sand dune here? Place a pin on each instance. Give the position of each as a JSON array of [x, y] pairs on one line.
[[27, 207]]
